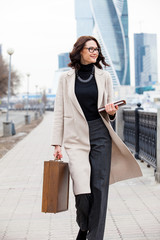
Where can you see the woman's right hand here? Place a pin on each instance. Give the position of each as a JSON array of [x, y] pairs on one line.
[[58, 152]]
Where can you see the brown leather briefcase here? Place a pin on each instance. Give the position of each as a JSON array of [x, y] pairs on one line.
[[55, 186]]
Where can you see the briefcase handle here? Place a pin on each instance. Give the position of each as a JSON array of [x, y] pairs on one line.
[[57, 160], [118, 103]]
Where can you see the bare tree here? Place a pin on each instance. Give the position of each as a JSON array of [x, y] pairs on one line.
[[15, 79], [44, 97]]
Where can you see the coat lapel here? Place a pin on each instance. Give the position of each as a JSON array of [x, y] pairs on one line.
[[71, 91], [71, 88], [100, 85]]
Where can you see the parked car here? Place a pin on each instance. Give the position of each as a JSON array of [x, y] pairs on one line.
[[3, 110]]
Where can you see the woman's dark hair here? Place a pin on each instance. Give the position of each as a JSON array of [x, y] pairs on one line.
[[75, 56]]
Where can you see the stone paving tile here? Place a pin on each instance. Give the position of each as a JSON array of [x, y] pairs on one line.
[[133, 208]]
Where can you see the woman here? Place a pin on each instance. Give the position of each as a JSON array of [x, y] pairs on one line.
[[97, 156]]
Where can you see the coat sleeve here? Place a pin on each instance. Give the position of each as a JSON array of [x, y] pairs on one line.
[[58, 126], [110, 94], [109, 89]]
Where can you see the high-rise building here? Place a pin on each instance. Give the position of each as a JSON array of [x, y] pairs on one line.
[[63, 60], [108, 21], [84, 18], [145, 49]]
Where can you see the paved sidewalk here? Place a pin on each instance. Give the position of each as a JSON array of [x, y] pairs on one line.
[[133, 211]]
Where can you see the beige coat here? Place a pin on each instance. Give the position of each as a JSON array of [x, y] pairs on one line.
[[71, 129]]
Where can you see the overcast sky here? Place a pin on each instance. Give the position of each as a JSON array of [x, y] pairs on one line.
[[40, 29]]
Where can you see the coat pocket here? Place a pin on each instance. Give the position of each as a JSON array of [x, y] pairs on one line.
[[70, 134]]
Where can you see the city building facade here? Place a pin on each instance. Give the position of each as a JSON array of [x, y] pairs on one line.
[[145, 49], [63, 60], [107, 20]]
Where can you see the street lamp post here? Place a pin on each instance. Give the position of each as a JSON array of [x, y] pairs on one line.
[[28, 75], [40, 102], [7, 126], [27, 116], [10, 51], [36, 112]]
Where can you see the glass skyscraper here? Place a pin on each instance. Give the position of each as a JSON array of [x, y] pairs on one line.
[[63, 60], [107, 20], [145, 49]]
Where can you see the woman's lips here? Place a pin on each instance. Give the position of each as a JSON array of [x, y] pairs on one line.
[[93, 57]]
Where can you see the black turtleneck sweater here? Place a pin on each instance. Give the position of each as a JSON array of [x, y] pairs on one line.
[[87, 92]]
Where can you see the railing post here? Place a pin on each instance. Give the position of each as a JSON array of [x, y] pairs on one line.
[[137, 130], [120, 122], [157, 174]]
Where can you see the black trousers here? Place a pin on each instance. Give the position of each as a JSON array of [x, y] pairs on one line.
[[92, 208]]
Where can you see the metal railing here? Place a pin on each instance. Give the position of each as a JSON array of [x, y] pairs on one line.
[[148, 137], [140, 134], [129, 128]]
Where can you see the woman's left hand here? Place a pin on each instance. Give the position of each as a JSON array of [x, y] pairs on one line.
[[111, 109]]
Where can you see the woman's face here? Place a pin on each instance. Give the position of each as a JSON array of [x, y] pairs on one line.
[[89, 53]]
